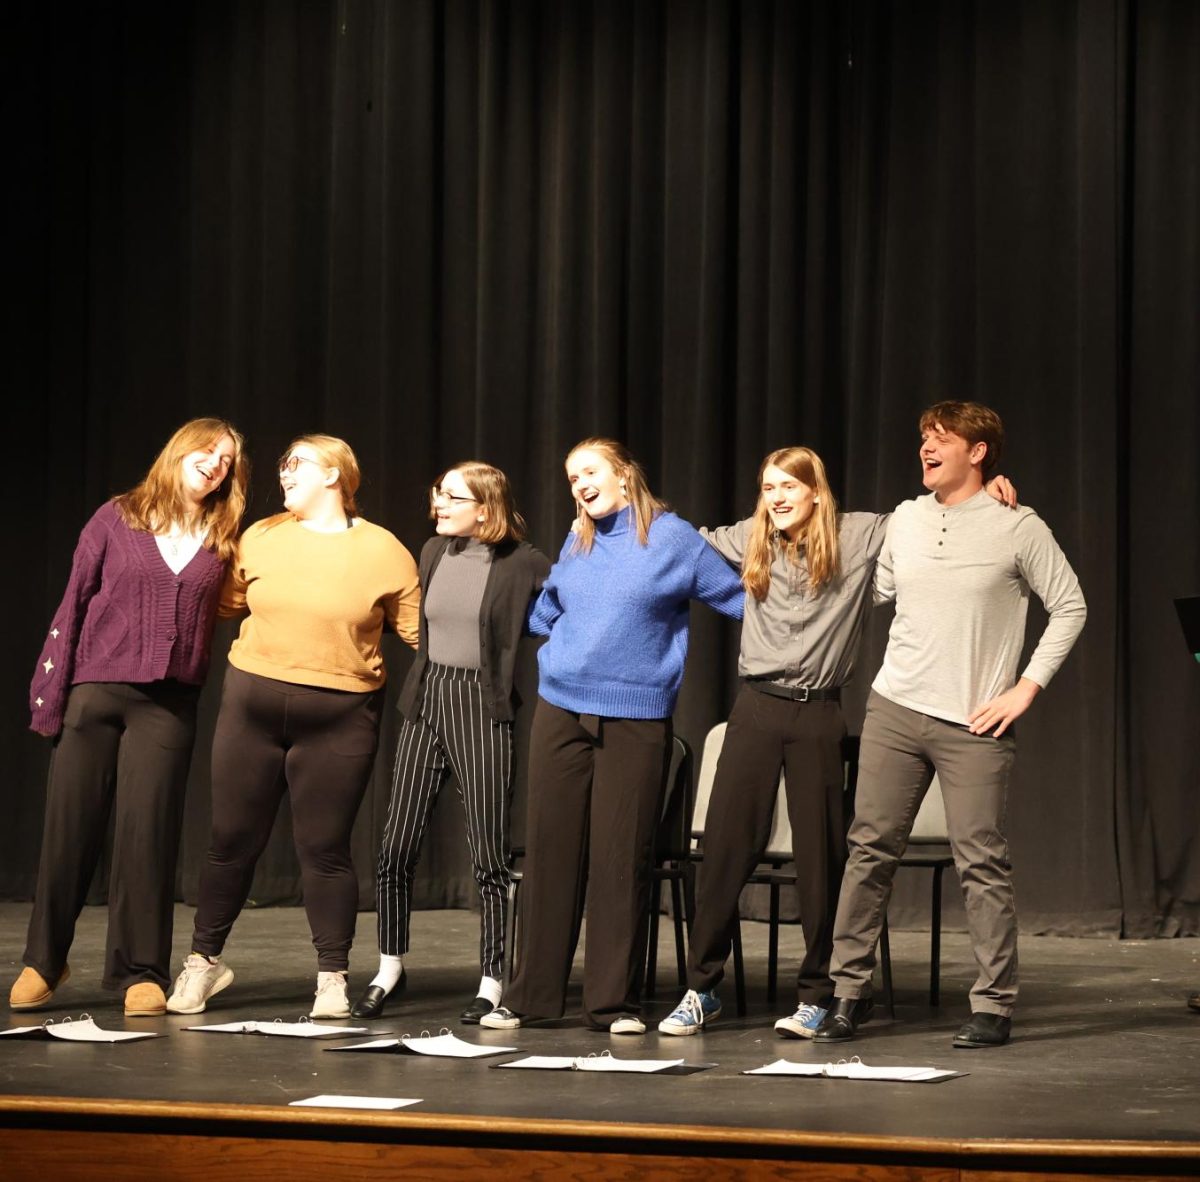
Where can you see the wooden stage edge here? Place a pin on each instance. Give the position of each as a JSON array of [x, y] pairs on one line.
[[62, 1138]]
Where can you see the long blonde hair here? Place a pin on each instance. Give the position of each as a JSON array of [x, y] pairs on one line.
[[646, 506], [157, 504], [819, 533]]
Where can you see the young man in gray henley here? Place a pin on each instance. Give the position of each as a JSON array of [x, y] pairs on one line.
[[960, 568]]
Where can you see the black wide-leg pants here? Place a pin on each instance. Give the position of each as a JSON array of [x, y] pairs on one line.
[[804, 740], [595, 793], [124, 750]]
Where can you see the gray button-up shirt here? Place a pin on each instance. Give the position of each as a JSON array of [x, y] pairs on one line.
[[795, 637]]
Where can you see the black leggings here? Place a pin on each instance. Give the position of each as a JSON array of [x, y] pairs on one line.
[[319, 746]]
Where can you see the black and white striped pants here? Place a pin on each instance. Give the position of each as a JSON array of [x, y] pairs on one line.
[[453, 733]]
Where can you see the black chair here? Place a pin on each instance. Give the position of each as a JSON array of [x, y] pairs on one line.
[[672, 861], [670, 865], [777, 857], [928, 849], [774, 870], [709, 757]]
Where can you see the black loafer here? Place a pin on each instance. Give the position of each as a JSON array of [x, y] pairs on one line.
[[471, 1015], [845, 1016], [984, 1030], [370, 1005]]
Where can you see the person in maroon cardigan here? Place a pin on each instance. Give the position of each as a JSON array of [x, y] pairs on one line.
[[116, 688]]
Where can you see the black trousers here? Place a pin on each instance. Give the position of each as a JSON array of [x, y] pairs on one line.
[[765, 735], [595, 793], [454, 733], [124, 750], [316, 744]]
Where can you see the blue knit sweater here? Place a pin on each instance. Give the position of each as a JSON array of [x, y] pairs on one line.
[[617, 617]]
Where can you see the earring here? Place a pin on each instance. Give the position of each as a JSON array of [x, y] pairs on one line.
[[816, 500]]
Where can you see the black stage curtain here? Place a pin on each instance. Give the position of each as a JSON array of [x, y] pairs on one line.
[[446, 230]]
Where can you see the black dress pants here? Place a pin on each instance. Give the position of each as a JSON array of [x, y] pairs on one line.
[[764, 735], [453, 733], [595, 793], [124, 750]]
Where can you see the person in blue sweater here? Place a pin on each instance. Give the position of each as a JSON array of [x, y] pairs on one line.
[[615, 609]]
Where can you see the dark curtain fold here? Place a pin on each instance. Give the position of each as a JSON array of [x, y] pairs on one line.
[[446, 230]]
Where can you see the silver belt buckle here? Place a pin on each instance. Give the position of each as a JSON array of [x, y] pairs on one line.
[[802, 690]]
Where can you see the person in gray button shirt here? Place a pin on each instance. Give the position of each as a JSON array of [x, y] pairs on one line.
[[961, 573], [808, 572]]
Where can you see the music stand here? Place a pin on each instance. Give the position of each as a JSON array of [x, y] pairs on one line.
[[1189, 618]]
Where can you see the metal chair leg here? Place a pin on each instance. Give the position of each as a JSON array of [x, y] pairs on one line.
[[935, 939], [885, 961], [510, 930], [739, 969], [652, 946], [773, 945], [678, 916]]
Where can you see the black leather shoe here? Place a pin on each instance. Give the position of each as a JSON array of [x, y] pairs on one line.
[[475, 1011], [984, 1030], [370, 1005], [845, 1016]]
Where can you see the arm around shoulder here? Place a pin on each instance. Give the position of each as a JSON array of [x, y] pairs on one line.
[[729, 541], [715, 584]]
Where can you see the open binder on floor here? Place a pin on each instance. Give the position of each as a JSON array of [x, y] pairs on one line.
[[301, 1029], [81, 1029], [443, 1045]]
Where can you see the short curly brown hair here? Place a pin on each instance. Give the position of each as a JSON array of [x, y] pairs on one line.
[[971, 421]]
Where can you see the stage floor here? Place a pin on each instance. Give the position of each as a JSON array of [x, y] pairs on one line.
[[1104, 1047]]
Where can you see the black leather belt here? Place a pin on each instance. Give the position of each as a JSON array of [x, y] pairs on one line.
[[794, 693]]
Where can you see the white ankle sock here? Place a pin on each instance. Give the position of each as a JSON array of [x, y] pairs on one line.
[[391, 968], [489, 987]]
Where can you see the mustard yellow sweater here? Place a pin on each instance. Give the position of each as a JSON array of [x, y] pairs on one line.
[[318, 602]]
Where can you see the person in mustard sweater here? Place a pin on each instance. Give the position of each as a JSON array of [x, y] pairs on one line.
[[300, 709], [116, 687]]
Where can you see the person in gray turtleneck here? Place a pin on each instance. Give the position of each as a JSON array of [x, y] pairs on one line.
[[477, 578]]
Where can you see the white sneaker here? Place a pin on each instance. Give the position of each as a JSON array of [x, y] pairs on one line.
[[332, 1001], [501, 1018], [628, 1024], [200, 979]]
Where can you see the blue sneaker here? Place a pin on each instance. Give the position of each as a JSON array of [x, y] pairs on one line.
[[802, 1024], [690, 1015]]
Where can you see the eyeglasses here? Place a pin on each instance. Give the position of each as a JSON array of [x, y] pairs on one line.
[[440, 494], [294, 462]]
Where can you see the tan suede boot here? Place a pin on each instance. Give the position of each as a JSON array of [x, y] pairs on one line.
[[144, 1000], [31, 990]]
